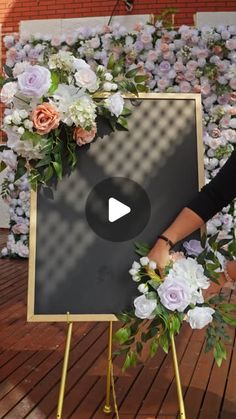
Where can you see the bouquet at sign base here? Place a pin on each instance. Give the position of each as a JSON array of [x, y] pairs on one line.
[[166, 302]]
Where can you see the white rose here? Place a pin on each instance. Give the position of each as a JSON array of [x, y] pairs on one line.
[[79, 64], [115, 104], [191, 272], [144, 307], [8, 92], [86, 78], [199, 317]]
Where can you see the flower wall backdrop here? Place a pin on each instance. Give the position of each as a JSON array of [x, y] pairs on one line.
[[184, 60]]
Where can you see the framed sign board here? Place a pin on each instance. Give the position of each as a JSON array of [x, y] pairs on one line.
[[127, 187]]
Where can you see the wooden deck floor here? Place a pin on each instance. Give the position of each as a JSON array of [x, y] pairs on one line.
[[31, 361]]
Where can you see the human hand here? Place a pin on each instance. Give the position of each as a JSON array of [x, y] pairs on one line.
[[160, 254]]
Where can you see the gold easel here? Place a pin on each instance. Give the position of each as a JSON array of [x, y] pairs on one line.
[[64, 369], [107, 407], [178, 381]]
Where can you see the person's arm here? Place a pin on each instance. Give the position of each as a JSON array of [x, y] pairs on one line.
[[218, 193], [185, 223]]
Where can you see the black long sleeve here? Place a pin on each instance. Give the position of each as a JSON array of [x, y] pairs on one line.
[[218, 193]]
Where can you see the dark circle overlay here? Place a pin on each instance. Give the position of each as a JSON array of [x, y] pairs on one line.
[[129, 193]]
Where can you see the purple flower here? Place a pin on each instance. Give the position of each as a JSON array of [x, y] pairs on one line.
[[164, 66], [175, 294], [193, 247], [35, 81]]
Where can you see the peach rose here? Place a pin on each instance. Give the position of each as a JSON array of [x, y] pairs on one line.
[[45, 118], [82, 137]]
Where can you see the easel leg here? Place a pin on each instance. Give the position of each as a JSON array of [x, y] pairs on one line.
[[107, 407], [178, 381], [64, 372]]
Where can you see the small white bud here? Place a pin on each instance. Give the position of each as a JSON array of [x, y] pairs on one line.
[[7, 120], [108, 76], [144, 261], [114, 86], [152, 265], [143, 288], [136, 265], [107, 86], [21, 130]]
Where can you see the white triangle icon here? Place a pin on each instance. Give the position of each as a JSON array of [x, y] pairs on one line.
[[116, 209]]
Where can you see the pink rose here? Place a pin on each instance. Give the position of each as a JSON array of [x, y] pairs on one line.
[[164, 47], [82, 137], [56, 41], [233, 96], [45, 118], [215, 133], [232, 83], [146, 38], [231, 111], [20, 229], [197, 88], [231, 44], [138, 27], [185, 87], [225, 122], [217, 49]]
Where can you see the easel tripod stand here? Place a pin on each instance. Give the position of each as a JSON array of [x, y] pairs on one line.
[[107, 407]]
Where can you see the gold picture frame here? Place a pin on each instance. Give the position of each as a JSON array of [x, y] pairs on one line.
[[31, 316]]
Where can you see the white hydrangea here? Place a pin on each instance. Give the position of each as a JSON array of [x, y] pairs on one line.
[[83, 112]]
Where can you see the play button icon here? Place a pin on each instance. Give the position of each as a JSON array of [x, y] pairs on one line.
[[117, 209]]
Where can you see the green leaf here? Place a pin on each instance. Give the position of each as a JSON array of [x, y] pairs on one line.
[[228, 307], [130, 360], [229, 319], [131, 73], [123, 317], [123, 122], [126, 111], [48, 173], [111, 62], [117, 69], [131, 88], [152, 295], [122, 335], [2, 81], [140, 79], [31, 136], [55, 79], [8, 70], [141, 249], [2, 166], [58, 169], [164, 343], [153, 347], [142, 88]]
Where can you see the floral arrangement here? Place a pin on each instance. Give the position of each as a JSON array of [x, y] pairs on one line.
[[17, 195], [183, 60], [53, 107], [176, 297]]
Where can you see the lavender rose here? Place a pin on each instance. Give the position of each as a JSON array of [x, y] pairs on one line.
[[144, 307], [199, 317], [175, 294], [193, 247], [34, 81]]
